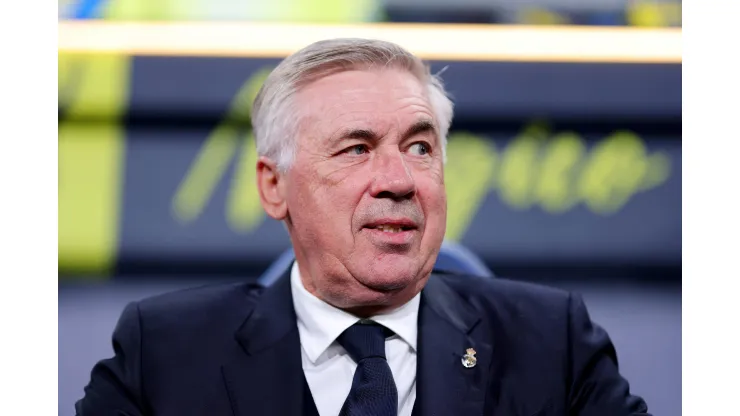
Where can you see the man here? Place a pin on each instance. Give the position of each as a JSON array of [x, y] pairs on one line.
[[351, 135]]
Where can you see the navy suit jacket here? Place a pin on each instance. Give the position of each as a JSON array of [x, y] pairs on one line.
[[234, 350]]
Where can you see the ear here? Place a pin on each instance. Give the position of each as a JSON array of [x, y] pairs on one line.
[[271, 185]]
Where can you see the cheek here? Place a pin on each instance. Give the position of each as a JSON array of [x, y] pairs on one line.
[[434, 204], [329, 207], [343, 190]]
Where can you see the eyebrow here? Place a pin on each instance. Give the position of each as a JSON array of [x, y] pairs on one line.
[[420, 127], [360, 134]]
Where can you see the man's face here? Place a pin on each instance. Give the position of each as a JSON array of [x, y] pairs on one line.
[[365, 197]]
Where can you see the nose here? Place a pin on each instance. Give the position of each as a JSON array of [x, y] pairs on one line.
[[391, 176]]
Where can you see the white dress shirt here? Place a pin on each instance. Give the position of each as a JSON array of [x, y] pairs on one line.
[[329, 369]]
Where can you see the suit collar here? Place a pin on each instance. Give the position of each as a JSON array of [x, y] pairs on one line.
[[448, 327], [268, 369], [438, 297], [271, 318]]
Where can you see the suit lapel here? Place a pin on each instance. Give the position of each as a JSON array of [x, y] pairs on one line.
[[265, 377], [447, 328]]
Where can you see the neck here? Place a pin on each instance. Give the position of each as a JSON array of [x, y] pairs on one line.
[[371, 303]]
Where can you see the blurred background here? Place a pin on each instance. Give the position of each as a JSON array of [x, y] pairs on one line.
[[561, 171]]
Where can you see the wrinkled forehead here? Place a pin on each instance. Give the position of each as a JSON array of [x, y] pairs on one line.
[[378, 99]]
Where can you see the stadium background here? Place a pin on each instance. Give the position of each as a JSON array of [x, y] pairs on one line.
[[563, 168]]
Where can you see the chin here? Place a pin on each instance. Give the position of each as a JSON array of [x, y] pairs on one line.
[[376, 287], [389, 275]]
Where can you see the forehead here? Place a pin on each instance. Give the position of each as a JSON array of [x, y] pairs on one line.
[[376, 97]]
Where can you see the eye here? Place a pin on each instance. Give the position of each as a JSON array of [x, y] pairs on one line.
[[420, 148], [358, 149]]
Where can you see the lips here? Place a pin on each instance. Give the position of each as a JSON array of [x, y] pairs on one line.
[[389, 225], [390, 228]]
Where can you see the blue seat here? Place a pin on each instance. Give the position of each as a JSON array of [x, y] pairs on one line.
[[452, 258]]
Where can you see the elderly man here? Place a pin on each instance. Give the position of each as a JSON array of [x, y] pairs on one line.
[[351, 139]]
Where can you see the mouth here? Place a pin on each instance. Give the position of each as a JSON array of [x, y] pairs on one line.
[[392, 225], [392, 233], [389, 228]]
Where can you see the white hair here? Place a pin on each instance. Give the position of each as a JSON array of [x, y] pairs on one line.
[[274, 118]]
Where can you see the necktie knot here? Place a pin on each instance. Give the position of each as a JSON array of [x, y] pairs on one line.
[[364, 340]]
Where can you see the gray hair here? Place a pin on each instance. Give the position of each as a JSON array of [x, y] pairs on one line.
[[273, 116]]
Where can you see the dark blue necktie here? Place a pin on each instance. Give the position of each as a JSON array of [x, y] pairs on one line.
[[373, 390]]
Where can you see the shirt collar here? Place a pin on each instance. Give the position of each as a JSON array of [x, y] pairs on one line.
[[319, 323]]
